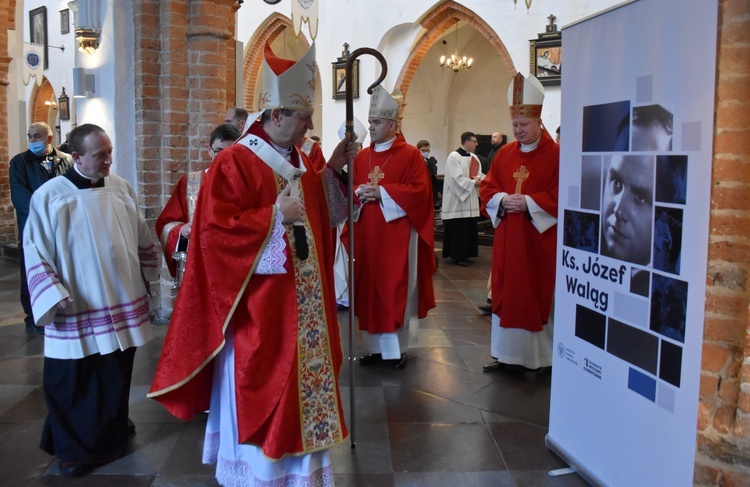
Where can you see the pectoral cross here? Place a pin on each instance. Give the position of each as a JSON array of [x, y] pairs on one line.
[[520, 176], [376, 175]]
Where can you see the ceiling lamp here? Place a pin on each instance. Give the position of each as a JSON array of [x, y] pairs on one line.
[[456, 62]]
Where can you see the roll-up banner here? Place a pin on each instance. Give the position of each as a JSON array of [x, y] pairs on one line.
[[635, 184]]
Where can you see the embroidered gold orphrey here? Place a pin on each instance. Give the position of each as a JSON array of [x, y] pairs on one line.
[[319, 416]]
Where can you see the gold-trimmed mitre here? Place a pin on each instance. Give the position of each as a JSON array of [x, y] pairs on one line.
[[525, 97], [385, 105], [286, 83]]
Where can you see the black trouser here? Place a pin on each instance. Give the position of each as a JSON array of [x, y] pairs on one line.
[[460, 239], [25, 299]]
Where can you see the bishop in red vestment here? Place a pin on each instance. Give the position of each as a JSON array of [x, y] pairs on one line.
[[393, 236], [254, 325], [520, 196]]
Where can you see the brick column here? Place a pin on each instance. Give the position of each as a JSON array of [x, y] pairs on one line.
[[7, 216], [723, 456], [183, 49], [208, 39]]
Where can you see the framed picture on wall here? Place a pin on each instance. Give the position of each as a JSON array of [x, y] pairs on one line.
[[38, 30], [63, 106], [64, 21], [338, 73], [545, 59]]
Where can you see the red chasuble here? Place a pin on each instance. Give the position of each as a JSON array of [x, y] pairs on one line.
[[381, 266], [523, 260], [287, 342], [178, 211]]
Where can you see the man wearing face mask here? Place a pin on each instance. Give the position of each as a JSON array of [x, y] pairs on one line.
[[28, 171]]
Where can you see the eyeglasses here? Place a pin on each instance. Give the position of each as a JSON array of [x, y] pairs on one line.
[[216, 151]]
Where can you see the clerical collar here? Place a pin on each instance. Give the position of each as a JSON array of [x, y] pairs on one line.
[[532, 146], [286, 153], [382, 146], [463, 152], [82, 181]]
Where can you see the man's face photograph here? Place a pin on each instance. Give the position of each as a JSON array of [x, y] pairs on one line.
[[627, 209]]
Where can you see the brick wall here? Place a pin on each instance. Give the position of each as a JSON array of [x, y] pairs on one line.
[[7, 215], [723, 456], [41, 112], [184, 79]]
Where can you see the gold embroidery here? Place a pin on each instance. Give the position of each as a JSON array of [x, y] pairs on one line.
[[164, 237], [193, 185], [320, 420], [307, 147]]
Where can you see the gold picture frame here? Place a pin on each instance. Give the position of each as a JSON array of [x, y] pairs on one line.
[[545, 58], [338, 76]]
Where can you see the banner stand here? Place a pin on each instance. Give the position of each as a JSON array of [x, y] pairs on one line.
[[587, 475], [633, 231]]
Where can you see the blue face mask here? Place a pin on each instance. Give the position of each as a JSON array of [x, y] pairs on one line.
[[37, 147]]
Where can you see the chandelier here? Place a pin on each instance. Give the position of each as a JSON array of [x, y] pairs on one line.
[[456, 62]]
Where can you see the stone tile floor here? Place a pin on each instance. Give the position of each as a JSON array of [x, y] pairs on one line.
[[439, 422]]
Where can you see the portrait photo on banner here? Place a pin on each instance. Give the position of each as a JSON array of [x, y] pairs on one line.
[[633, 195]]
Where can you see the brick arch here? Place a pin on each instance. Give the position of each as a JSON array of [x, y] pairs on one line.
[[38, 111], [436, 23], [267, 32]]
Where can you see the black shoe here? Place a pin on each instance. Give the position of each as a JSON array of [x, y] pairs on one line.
[[72, 469], [36, 330], [462, 263], [370, 359], [494, 366], [485, 309], [400, 363], [517, 368], [131, 427]]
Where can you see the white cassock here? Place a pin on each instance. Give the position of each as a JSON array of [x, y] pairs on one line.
[[94, 246], [245, 464]]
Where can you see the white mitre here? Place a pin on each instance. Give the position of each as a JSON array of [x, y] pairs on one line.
[[385, 105], [525, 97], [286, 83]]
